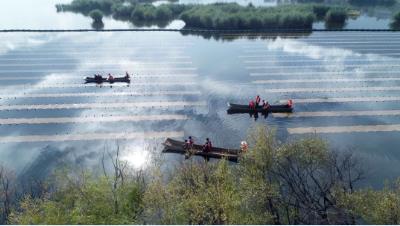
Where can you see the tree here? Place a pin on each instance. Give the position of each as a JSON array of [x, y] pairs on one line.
[[336, 16], [375, 206], [203, 193], [82, 198], [7, 193], [297, 182], [96, 15], [396, 21]]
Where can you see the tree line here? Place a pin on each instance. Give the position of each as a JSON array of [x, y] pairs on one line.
[[212, 16], [296, 182]]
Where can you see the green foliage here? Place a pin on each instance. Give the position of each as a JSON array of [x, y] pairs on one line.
[[372, 2], [297, 182], [375, 207], [234, 16], [85, 6], [122, 11], [83, 201], [96, 15], [336, 16], [320, 10], [396, 21], [163, 12], [211, 16], [144, 12], [197, 194]]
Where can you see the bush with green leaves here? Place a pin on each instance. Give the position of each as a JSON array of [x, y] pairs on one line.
[[396, 21], [96, 15], [336, 16]]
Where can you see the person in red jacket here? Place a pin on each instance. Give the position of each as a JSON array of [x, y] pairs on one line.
[[252, 105], [290, 103]]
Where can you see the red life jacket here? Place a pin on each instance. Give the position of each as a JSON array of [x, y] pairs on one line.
[[251, 104]]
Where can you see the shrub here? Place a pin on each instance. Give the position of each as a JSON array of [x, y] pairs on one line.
[[96, 15], [396, 21], [121, 11], [336, 15], [163, 12], [320, 10], [143, 12]]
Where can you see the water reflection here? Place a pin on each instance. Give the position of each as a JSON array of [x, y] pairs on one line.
[[136, 155], [221, 72], [98, 25]]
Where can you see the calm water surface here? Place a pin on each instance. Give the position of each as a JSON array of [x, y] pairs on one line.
[[181, 87]]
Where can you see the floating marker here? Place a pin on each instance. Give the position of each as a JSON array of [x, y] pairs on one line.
[[90, 136]]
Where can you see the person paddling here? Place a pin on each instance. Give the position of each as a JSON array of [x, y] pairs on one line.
[[190, 142], [290, 103], [251, 104], [110, 77], [207, 146], [266, 105], [258, 100]]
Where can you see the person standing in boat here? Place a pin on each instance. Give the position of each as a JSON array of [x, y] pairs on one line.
[[127, 76], [190, 142], [243, 146], [258, 100], [207, 146]]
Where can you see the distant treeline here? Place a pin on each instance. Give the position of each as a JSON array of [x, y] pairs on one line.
[[212, 16], [372, 2]]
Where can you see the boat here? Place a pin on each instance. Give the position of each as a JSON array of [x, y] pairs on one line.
[[240, 108], [102, 80], [177, 147]]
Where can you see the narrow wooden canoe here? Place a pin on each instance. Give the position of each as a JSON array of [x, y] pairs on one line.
[[102, 80], [240, 108], [174, 146]]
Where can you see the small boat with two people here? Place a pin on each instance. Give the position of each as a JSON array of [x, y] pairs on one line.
[[97, 78], [207, 151]]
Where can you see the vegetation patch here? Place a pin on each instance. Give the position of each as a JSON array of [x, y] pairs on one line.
[[297, 182], [213, 16]]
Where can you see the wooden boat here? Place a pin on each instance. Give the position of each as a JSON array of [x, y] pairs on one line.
[[239, 108], [174, 146], [102, 80]]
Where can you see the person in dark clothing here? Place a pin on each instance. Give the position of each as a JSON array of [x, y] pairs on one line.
[[190, 142], [207, 146], [258, 100]]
